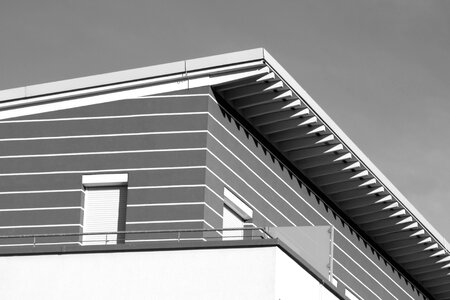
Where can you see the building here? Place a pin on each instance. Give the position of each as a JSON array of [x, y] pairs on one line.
[[122, 185]]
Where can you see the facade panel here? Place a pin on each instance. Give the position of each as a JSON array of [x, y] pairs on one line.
[[103, 126], [183, 103], [99, 144], [175, 193], [40, 217], [89, 163], [23, 201]]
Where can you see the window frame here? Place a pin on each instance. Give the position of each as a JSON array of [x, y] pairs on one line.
[[238, 209]]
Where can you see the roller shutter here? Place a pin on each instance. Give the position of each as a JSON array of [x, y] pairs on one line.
[[104, 211]]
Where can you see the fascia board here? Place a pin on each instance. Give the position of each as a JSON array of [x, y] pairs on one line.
[[14, 93], [224, 59], [93, 81], [352, 146], [105, 79], [113, 78]]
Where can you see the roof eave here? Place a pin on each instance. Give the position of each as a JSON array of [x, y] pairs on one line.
[[354, 148]]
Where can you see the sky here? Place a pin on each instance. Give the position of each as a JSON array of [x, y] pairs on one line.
[[380, 69]]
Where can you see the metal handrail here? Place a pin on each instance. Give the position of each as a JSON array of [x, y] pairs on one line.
[[261, 229]]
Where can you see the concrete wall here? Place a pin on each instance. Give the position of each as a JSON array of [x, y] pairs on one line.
[[292, 282], [239, 273]]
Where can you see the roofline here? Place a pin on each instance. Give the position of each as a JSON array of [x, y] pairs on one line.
[[130, 75], [187, 66]]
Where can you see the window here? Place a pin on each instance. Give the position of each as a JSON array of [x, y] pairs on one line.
[[351, 295], [334, 281], [235, 214], [232, 220], [104, 208]]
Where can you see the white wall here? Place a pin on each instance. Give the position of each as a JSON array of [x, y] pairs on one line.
[[291, 280], [247, 273]]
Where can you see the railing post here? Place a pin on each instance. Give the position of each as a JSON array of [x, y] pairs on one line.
[[179, 234], [247, 232], [34, 241]]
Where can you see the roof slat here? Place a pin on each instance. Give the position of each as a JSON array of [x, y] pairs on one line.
[[439, 284], [364, 201], [304, 142], [381, 215], [442, 296], [399, 235], [326, 159], [331, 169], [430, 262], [269, 108], [373, 208], [278, 116], [430, 266], [364, 191], [254, 76], [287, 134], [259, 99], [401, 244], [252, 89], [338, 177], [350, 184], [284, 125], [313, 151], [422, 255], [386, 223]]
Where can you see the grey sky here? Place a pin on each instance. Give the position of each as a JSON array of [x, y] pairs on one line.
[[380, 69]]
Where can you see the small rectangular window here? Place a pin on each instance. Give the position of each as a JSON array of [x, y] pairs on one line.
[[104, 208], [350, 295], [235, 214], [334, 281], [232, 220]]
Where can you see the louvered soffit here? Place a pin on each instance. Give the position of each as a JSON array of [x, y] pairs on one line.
[[278, 108]]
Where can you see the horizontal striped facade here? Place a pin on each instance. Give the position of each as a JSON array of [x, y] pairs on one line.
[[180, 152], [159, 141]]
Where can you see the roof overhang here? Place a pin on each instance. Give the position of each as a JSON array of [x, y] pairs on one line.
[[260, 91]]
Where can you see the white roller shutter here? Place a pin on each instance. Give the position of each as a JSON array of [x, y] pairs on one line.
[[104, 209], [232, 220]]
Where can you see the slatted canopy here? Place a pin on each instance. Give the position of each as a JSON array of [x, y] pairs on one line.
[[297, 131], [304, 135]]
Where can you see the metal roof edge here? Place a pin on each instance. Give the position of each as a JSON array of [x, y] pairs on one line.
[[91, 81], [130, 75], [224, 59], [353, 147]]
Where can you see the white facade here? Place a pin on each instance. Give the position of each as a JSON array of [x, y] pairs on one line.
[[234, 273]]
